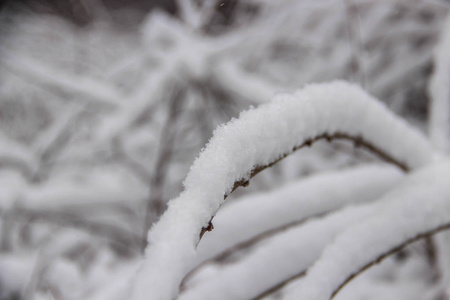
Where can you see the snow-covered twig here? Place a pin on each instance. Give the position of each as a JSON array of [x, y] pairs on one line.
[[255, 216], [416, 209], [286, 255], [311, 197]]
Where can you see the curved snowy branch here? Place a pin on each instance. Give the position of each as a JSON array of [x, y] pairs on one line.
[[293, 250], [416, 209], [357, 140], [285, 255], [258, 138]]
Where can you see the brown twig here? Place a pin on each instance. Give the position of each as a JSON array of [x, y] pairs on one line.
[[358, 141], [262, 236], [155, 204], [279, 286], [245, 244]]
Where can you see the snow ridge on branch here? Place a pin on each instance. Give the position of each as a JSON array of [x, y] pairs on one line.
[[294, 247]]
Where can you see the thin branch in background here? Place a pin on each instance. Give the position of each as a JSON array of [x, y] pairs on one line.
[[16, 156], [439, 91], [155, 204], [142, 106], [16, 164], [39, 268], [204, 121], [357, 47], [214, 101], [7, 229], [139, 170], [122, 240], [84, 89], [42, 262], [56, 144]]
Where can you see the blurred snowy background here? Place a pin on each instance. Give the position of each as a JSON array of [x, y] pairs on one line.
[[104, 105]]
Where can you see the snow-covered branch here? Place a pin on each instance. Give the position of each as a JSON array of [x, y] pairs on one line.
[[99, 125], [260, 137], [294, 245], [417, 208]]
